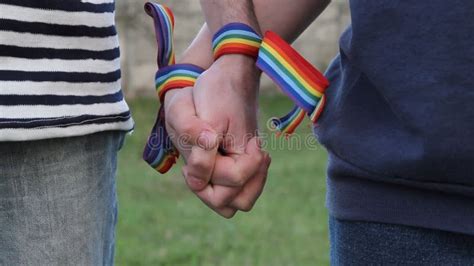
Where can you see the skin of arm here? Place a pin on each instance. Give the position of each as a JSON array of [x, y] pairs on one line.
[[234, 181], [288, 21]]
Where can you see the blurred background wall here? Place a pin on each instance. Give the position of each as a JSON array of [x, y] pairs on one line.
[[319, 43]]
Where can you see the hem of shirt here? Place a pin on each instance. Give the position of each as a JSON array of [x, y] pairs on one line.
[[17, 135], [359, 199]]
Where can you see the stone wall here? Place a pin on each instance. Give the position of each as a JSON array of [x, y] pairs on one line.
[[319, 43]]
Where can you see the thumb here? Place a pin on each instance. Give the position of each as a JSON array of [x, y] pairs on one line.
[[185, 128], [196, 140], [237, 169], [207, 139]]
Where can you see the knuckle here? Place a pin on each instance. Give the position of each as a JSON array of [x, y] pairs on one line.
[[237, 179], [247, 206], [198, 162], [195, 184], [247, 209], [186, 129], [228, 214], [222, 200], [219, 204]]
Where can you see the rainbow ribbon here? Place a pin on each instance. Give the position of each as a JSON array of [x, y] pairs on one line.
[[159, 152], [302, 82], [297, 78], [175, 77], [163, 19], [236, 38]]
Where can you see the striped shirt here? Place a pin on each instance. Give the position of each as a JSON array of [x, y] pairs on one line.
[[59, 69]]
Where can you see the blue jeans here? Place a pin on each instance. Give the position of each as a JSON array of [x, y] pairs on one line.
[[368, 243], [57, 200]]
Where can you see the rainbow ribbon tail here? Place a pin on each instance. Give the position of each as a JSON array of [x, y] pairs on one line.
[[287, 124], [296, 77], [159, 151], [163, 19]]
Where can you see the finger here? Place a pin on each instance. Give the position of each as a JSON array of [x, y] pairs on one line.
[[251, 191], [185, 128], [193, 138], [226, 212], [215, 197], [218, 198], [199, 167], [236, 170]]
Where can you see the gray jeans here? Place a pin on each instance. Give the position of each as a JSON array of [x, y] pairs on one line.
[[58, 201]]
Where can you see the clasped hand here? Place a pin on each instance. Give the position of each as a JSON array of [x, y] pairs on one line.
[[214, 126]]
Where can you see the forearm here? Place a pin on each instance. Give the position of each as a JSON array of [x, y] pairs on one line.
[[221, 12], [288, 18], [199, 52], [288, 21]]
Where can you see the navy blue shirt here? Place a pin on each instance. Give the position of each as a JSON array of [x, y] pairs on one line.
[[399, 122]]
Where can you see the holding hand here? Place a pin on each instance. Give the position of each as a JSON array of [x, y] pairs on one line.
[[214, 124], [225, 182]]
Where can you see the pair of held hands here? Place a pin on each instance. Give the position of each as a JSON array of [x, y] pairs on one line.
[[214, 127]]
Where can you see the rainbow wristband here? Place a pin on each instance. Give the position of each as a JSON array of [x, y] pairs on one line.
[[159, 152], [297, 78], [176, 77], [236, 38]]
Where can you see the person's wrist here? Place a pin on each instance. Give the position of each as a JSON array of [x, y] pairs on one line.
[[189, 57], [242, 69], [239, 64], [168, 97]]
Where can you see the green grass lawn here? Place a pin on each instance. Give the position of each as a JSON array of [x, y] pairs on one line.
[[162, 223]]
